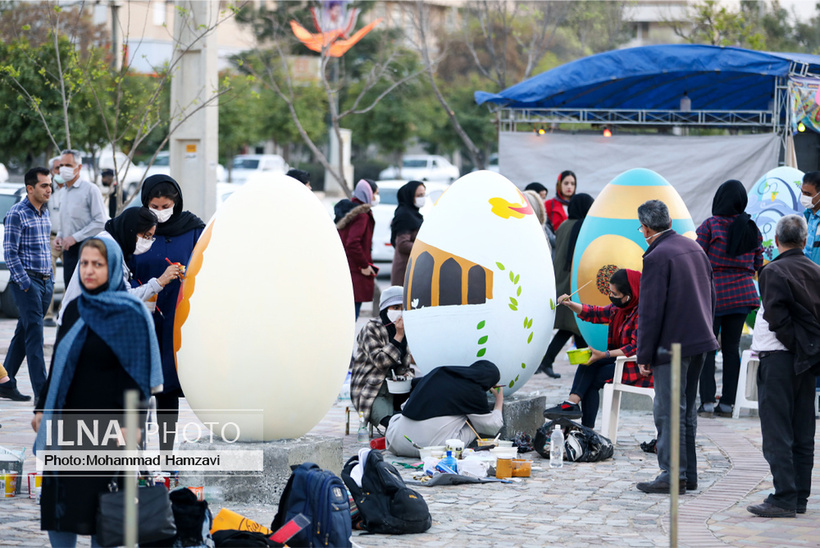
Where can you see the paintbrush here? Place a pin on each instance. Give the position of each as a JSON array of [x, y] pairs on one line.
[[576, 291], [417, 446], [473, 429]]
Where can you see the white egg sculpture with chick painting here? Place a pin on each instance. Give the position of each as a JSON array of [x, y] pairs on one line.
[[480, 282], [265, 323]]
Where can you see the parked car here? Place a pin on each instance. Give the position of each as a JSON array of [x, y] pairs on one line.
[[250, 167], [4, 173], [423, 167], [162, 166], [383, 214], [10, 194]]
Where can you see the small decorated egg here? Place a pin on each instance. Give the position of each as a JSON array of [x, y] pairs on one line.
[[773, 196]]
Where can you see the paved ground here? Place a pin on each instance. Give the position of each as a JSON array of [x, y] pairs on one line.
[[589, 504]]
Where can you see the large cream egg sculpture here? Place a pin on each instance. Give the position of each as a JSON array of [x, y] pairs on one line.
[[609, 239], [265, 325], [479, 281]]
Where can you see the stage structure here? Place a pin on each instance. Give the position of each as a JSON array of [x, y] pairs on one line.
[[770, 95]]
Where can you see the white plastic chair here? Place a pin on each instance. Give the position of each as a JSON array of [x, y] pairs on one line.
[[612, 398], [746, 396]]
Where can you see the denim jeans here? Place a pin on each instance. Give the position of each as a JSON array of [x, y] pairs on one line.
[[59, 539], [787, 425], [27, 341], [690, 367]]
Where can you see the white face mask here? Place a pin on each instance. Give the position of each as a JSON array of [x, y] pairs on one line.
[[143, 245], [163, 214], [375, 201], [652, 237], [419, 202], [807, 201], [393, 315], [67, 173]]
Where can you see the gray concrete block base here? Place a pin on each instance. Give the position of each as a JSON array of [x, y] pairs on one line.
[[522, 413], [278, 456]]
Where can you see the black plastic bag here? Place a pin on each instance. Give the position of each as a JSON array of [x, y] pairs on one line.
[[581, 444]]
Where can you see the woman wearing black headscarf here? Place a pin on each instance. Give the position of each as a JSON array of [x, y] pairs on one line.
[[733, 243], [133, 230], [405, 226], [441, 403], [565, 239], [176, 236]]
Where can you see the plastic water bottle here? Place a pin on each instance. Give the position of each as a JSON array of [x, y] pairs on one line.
[[449, 464], [363, 436], [557, 448]]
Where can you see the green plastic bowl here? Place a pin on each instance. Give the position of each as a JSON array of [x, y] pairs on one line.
[[579, 355]]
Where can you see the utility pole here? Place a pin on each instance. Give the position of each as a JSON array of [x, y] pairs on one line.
[[116, 37], [194, 145]]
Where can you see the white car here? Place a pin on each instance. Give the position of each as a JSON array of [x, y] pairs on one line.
[[383, 214], [162, 166], [250, 167], [4, 173], [10, 194], [423, 167]]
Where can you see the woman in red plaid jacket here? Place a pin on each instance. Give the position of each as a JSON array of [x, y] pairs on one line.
[[733, 243], [622, 340]]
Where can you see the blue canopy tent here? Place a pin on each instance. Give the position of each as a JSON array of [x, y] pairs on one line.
[[676, 86], [657, 77]]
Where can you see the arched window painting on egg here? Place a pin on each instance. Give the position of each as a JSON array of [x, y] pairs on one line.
[[435, 277]]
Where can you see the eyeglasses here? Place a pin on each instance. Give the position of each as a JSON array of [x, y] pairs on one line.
[[151, 239]]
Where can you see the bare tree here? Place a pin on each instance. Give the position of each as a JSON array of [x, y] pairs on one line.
[[500, 34], [271, 69], [122, 119], [421, 22]]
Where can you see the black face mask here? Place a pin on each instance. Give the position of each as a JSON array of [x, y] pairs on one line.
[[618, 302]]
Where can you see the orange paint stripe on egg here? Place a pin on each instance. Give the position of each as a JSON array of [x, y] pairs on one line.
[[188, 285]]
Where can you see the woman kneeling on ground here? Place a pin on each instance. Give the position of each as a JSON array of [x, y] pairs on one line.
[[441, 404], [622, 340], [382, 352]]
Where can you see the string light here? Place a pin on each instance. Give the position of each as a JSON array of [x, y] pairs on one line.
[[607, 132], [801, 127]]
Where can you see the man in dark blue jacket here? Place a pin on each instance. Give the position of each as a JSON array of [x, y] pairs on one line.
[[677, 306], [787, 336]]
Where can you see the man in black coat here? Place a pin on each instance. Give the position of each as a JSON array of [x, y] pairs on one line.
[[787, 338], [677, 306]]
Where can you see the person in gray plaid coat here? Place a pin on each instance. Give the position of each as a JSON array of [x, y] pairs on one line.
[[382, 350]]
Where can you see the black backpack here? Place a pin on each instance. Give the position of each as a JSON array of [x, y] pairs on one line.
[[322, 498], [385, 503]]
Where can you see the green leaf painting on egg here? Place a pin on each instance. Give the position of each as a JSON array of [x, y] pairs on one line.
[[500, 266], [481, 324]]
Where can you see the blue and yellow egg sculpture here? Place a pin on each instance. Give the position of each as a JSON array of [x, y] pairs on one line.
[[609, 238], [480, 282], [773, 196]]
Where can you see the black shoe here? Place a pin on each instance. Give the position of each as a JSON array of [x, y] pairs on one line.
[[691, 486], [801, 508], [567, 410], [659, 486], [707, 409], [49, 322], [767, 510], [551, 373], [11, 392], [723, 410]]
